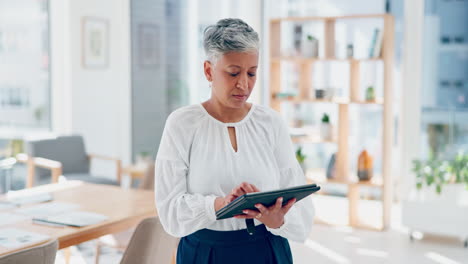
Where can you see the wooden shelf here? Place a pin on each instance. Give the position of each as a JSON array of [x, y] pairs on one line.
[[312, 140], [318, 176], [305, 92], [378, 101], [311, 60], [312, 100], [335, 100], [309, 19]]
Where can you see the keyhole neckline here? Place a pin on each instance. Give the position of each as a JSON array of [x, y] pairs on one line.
[[234, 124]]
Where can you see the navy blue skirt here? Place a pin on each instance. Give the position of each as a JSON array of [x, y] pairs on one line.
[[237, 247]]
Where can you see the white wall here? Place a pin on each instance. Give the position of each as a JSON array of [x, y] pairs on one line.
[[92, 102], [410, 128]]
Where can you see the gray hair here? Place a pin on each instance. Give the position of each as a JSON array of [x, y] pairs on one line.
[[229, 35]]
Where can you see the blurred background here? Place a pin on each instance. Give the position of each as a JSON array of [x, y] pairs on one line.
[[375, 87]]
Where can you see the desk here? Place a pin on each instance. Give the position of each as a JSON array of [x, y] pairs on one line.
[[125, 209]]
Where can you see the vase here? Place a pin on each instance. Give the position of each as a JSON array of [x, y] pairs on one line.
[[453, 193], [310, 48], [365, 168], [326, 131]]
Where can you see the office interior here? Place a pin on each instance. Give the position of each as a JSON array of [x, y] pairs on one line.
[[375, 94]]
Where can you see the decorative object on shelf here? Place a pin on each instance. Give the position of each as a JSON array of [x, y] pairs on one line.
[[310, 47], [301, 158], [286, 95], [349, 51], [370, 93], [326, 129], [331, 168], [365, 168], [297, 120], [297, 38], [319, 93], [439, 172], [95, 37], [329, 93]]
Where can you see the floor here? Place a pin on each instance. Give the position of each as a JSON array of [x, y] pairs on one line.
[[337, 245], [346, 245]]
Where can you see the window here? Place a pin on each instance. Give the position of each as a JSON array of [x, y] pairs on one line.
[[24, 65], [444, 104]]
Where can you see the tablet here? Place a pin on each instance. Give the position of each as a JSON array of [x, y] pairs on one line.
[[248, 201]]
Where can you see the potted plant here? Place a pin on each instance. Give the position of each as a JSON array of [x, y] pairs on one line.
[[326, 128], [438, 204], [310, 47], [300, 156], [370, 93], [441, 174]]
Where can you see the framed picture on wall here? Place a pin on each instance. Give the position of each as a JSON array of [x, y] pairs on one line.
[[149, 45], [95, 42]]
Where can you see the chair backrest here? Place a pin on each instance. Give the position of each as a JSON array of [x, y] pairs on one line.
[[42, 254], [150, 244], [147, 182], [6, 165], [69, 150]]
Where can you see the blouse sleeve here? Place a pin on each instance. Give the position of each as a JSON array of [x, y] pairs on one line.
[[180, 212], [298, 220]]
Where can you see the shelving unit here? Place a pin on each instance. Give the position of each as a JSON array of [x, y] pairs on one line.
[[305, 95]]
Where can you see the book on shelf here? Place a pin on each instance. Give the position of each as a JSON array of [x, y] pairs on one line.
[[376, 44]]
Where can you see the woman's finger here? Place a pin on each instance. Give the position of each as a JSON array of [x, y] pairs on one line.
[[262, 209], [288, 206], [237, 191], [244, 217], [255, 188], [278, 204], [247, 187], [230, 198], [248, 214]]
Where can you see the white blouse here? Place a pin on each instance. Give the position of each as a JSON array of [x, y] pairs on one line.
[[196, 163]]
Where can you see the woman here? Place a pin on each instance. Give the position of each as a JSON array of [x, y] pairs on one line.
[[213, 152]]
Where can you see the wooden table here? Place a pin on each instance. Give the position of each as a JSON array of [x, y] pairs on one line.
[[124, 207]]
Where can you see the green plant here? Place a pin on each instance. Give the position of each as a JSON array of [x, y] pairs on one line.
[[370, 93], [144, 153], [300, 156], [325, 118], [438, 172], [460, 168], [310, 37]]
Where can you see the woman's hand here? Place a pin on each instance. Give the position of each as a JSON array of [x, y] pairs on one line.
[[273, 216], [240, 190]]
